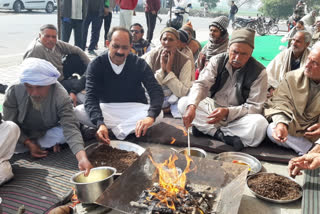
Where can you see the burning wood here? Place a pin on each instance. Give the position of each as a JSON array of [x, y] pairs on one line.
[[172, 195]]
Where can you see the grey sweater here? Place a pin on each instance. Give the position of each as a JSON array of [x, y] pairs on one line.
[[56, 110], [37, 50]]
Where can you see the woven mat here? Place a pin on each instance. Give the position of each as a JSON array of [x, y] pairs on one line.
[[311, 192], [39, 185]]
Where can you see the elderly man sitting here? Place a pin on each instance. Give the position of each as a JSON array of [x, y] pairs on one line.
[[295, 107], [172, 69], [115, 91], [43, 110], [140, 46], [10, 133], [193, 44], [309, 19], [290, 59], [237, 85], [316, 33], [47, 47], [288, 37], [218, 41]]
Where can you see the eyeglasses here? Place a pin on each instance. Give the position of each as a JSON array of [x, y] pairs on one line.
[[134, 31]]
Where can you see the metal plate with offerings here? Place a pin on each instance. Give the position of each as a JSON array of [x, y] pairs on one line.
[[241, 158], [274, 187]]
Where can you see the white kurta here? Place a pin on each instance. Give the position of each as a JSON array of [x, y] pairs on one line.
[[52, 137], [300, 145], [251, 128], [9, 133], [121, 118]]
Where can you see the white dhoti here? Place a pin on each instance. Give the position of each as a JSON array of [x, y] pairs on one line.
[[251, 128], [121, 118], [52, 137], [9, 133], [300, 145], [126, 18]]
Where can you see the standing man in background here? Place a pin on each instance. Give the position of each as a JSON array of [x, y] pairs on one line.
[[95, 13], [108, 8], [233, 11], [126, 12], [73, 12], [151, 10]]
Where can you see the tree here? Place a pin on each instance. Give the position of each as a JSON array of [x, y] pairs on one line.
[[211, 3], [240, 3], [283, 8]]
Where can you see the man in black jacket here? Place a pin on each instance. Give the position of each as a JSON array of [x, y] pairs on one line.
[[115, 91], [233, 11]]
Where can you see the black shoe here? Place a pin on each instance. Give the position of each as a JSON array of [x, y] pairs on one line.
[[3, 88], [92, 52], [233, 141], [88, 133], [196, 132], [219, 136]]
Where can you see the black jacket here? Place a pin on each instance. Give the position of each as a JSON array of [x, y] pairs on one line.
[[105, 86]]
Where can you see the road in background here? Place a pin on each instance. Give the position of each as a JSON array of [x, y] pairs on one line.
[[18, 30]]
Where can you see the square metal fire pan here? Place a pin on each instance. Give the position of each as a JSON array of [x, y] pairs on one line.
[[229, 180]]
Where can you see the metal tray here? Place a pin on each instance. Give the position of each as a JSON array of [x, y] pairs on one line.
[[122, 145], [253, 162], [273, 200]]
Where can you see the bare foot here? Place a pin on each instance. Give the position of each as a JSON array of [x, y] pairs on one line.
[[56, 148]]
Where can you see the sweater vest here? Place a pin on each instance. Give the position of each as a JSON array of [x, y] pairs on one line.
[[245, 78]]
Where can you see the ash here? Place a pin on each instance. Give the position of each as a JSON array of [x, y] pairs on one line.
[[197, 199]]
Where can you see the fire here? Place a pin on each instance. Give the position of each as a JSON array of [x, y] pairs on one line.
[[74, 198], [173, 140], [171, 181], [185, 133]]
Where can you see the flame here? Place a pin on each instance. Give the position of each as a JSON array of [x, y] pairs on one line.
[[74, 198], [173, 140], [185, 133], [171, 181]]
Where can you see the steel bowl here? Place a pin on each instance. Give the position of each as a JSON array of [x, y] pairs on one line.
[[274, 200], [252, 162], [195, 152], [89, 188]]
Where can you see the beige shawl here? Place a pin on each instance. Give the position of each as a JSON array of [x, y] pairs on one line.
[[291, 98], [280, 65]]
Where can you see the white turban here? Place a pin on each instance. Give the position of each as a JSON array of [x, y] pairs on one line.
[[37, 71]]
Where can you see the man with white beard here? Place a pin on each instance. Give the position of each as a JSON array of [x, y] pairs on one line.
[[42, 108]]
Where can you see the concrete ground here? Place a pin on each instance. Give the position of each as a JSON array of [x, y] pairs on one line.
[[9, 71]]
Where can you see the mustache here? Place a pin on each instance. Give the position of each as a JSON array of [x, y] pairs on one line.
[[235, 62], [120, 55]]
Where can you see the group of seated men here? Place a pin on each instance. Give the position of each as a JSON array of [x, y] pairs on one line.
[[126, 94]]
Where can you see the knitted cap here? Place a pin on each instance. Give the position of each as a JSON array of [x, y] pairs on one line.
[[220, 22], [170, 30], [187, 26], [243, 35], [184, 36]]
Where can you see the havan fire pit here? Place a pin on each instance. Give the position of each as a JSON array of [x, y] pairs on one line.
[[224, 182]]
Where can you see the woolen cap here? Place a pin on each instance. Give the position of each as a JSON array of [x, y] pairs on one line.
[[184, 36], [187, 26], [220, 22], [243, 35], [170, 30]]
